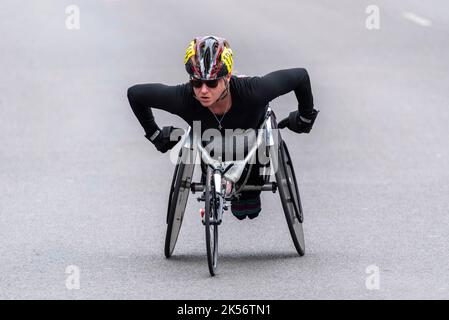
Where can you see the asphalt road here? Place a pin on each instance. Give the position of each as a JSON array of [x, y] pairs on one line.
[[80, 185]]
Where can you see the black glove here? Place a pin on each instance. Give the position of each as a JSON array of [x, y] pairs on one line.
[[299, 123], [161, 138]]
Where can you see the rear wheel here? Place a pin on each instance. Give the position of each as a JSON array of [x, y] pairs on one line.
[[179, 194], [172, 188], [291, 201]]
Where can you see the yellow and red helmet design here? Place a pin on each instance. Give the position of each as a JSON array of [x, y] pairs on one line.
[[208, 58]]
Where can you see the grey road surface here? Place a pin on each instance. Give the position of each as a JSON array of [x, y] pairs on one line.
[[83, 193]]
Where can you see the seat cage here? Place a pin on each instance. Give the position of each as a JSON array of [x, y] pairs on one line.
[[264, 138], [232, 171]]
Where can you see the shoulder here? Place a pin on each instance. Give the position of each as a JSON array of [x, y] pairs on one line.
[[244, 84], [246, 87], [185, 92]]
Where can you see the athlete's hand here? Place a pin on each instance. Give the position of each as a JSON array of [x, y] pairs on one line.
[[166, 139], [299, 123]]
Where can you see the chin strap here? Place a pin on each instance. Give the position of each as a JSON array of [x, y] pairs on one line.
[[224, 93]]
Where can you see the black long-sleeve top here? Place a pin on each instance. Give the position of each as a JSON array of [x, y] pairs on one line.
[[250, 96]]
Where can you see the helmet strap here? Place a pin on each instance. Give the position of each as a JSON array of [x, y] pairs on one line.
[[225, 91]]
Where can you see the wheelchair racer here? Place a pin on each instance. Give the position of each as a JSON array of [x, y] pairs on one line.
[[221, 100]]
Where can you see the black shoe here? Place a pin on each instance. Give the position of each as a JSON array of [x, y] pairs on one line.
[[243, 208], [253, 216]]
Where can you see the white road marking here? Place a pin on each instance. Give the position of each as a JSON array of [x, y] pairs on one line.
[[417, 19]]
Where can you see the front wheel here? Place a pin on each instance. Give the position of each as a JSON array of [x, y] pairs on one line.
[[210, 224]]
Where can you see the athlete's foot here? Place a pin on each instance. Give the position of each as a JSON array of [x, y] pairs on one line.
[[253, 216], [243, 208]]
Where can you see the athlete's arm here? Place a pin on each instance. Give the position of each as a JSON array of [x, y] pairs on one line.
[[143, 97], [281, 82]]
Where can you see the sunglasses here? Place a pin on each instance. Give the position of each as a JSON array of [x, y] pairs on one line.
[[209, 83]]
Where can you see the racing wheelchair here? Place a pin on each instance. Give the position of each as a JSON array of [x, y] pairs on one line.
[[223, 181]]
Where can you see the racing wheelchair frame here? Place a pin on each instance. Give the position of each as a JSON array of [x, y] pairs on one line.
[[216, 190]]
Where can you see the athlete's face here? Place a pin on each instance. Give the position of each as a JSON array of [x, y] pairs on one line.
[[208, 95]]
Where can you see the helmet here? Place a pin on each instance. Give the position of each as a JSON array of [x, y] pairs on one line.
[[208, 58]]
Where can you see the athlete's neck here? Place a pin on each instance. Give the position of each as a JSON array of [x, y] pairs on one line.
[[222, 106]]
